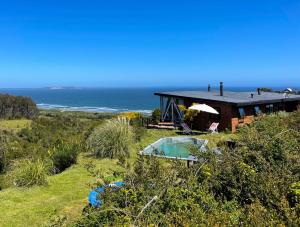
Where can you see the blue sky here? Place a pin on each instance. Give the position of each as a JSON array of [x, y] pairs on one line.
[[149, 43]]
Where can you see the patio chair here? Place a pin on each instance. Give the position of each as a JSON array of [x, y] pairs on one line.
[[186, 129], [213, 128]]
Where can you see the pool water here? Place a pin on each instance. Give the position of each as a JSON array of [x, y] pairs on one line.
[[175, 148], [180, 150]]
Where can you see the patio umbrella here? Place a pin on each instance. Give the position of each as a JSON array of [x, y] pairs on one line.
[[204, 108]]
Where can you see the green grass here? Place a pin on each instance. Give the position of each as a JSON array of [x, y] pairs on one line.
[[66, 193], [14, 125]]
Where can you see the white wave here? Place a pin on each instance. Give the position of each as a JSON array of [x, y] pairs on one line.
[[92, 109]]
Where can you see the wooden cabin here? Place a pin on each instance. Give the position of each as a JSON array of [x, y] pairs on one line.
[[235, 108]]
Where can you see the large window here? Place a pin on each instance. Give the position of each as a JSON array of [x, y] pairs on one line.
[[257, 110], [241, 112], [270, 108]]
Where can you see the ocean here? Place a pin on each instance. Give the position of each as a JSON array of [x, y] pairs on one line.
[[100, 99]]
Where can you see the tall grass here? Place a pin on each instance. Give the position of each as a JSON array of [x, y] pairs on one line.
[[26, 173], [112, 139]]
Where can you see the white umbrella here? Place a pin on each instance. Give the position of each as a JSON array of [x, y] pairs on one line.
[[204, 108]]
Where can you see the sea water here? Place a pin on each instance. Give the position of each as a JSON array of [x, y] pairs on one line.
[[100, 99]]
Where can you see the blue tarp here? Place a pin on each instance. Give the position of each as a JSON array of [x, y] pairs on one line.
[[93, 196]]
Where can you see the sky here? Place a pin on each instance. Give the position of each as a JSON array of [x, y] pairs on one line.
[[139, 43]]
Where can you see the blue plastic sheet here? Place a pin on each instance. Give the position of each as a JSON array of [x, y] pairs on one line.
[[94, 194]]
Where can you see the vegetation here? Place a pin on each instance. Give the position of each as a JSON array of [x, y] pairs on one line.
[[155, 117], [189, 114], [255, 183], [14, 125], [64, 156], [15, 107], [26, 173], [112, 139], [46, 145], [63, 197]]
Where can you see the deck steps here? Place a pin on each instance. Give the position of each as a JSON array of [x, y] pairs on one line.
[[159, 126], [166, 124]]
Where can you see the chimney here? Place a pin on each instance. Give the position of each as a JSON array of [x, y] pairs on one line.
[[208, 88], [258, 91], [221, 89]]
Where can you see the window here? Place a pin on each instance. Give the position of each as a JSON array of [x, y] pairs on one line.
[[270, 108], [179, 101], [241, 112], [257, 110]]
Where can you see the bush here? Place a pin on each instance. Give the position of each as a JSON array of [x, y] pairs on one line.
[[156, 116], [112, 139], [3, 149], [27, 173], [255, 183], [64, 156], [138, 129]]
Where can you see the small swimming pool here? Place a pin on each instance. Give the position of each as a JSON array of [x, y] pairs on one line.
[[175, 148]]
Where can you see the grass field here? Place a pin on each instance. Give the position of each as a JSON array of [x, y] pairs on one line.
[[66, 193]]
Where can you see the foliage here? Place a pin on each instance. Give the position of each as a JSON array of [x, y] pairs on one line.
[[39, 140], [177, 199], [189, 115], [255, 183], [64, 155], [294, 195], [112, 139], [15, 107], [75, 115], [155, 117], [138, 128], [182, 108], [14, 125], [3, 151], [65, 195], [26, 173], [130, 115]]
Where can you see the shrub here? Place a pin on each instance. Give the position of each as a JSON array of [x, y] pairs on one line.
[[3, 149], [112, 139], [64, 156], [27, 173], [190, 115], [255, 183], [130, 115], [138, 129], [156, 116]]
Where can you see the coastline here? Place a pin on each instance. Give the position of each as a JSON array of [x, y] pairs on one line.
[[89, 109]]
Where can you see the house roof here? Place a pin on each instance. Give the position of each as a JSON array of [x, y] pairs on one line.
[[237, 98]]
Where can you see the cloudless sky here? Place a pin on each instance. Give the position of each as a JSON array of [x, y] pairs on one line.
[[149, 43]]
